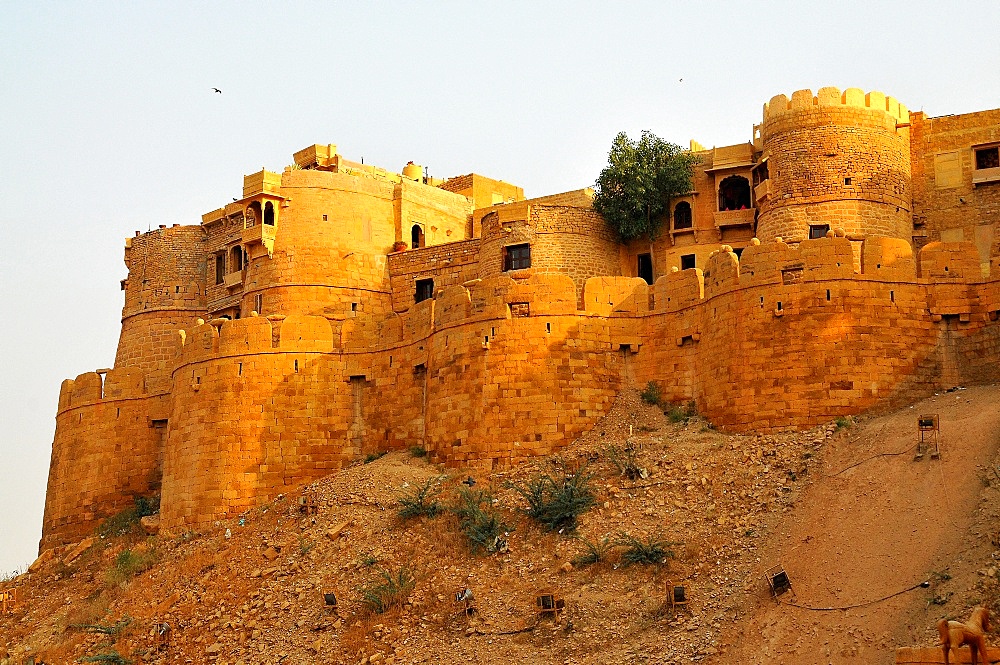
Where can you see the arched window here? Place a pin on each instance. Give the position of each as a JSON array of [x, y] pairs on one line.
[[416, 237], [682, 215], [734, 193], [269, 213], [253, 215], [237, 262]]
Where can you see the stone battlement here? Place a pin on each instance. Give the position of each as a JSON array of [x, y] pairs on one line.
[[854, 98], [837, 264]]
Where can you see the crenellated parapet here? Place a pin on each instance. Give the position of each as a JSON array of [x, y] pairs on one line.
[[339, 310], [834, 159], [780, 106]]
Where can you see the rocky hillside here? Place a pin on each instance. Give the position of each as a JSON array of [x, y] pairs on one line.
[[672, 500]]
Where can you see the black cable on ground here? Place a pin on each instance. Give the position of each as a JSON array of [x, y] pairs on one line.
[[919, 585], [868, 459]]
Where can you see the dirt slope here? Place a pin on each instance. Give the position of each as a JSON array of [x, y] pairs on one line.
[[249, 590], [876, 529]]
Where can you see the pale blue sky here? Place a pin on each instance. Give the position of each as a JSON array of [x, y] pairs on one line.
[[109, 125]]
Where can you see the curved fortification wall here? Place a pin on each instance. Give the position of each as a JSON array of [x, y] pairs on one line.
[[837, 158], [261, 406], [335, 266], [107, 449], [565, 240], [164, 291]]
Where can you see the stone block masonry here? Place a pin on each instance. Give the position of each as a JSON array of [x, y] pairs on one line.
[[282, 338]]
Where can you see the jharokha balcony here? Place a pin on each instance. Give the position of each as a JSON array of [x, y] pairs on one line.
[[742, 217]]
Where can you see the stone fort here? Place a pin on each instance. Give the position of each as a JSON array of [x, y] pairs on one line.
[[845, 258]]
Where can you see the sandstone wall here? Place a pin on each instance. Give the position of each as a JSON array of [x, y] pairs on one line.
[[836, 158], [164, 291], [946, 203], [566, 240], [788, 338], [107, 450], [447, 265]]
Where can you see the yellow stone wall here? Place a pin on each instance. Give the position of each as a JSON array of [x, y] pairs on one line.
[[836, 158], [164, 291], [500, 367], [947, 205]]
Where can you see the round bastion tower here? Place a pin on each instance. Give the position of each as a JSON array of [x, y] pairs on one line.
[[164, 292], [834, 161]]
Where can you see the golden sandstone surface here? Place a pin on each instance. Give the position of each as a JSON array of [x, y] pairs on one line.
[[844, 259]]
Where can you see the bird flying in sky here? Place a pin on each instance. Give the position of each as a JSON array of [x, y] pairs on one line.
[[217, 90]]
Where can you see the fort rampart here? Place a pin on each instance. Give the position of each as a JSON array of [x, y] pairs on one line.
[[338, 310], [501, 369]]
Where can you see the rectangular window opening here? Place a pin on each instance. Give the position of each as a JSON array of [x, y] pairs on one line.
[[817, 231], [892, 296], [516, 257], [847, 181], [220, 268], [828, 295], [240, 370], [520, 309], [687, 261], [296, 365], [548, 327], [988, 158], [779, 306], [644, 267], [424, 290]]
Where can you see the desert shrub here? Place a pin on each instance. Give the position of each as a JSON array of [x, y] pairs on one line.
[[557, 503], [418, 451], [421, 501], [651, 394], [841, 422], [128, 564], [147, 505], [389, 591], [625, 461], [113, 630], [480, 520], [111, 656], [652, 550], [593, 552], [127, 521], [371, 457], [678, 413]]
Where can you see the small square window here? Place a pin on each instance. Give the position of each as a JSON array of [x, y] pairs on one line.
[[425, 290], [988, 158], [516, 257], [847, 181], [818, 231], [687, 261]]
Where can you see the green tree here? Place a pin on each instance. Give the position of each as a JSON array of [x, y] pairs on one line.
[[635, 188]]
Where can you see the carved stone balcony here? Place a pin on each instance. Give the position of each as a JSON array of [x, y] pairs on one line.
[[260, 234], [763, 190], [233, 279], [982, 176], [734, 217]]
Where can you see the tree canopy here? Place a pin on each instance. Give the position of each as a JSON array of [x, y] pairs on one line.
[[635, 188]]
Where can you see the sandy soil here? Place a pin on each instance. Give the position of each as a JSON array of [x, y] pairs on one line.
[[875, 529], [850, 523]]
